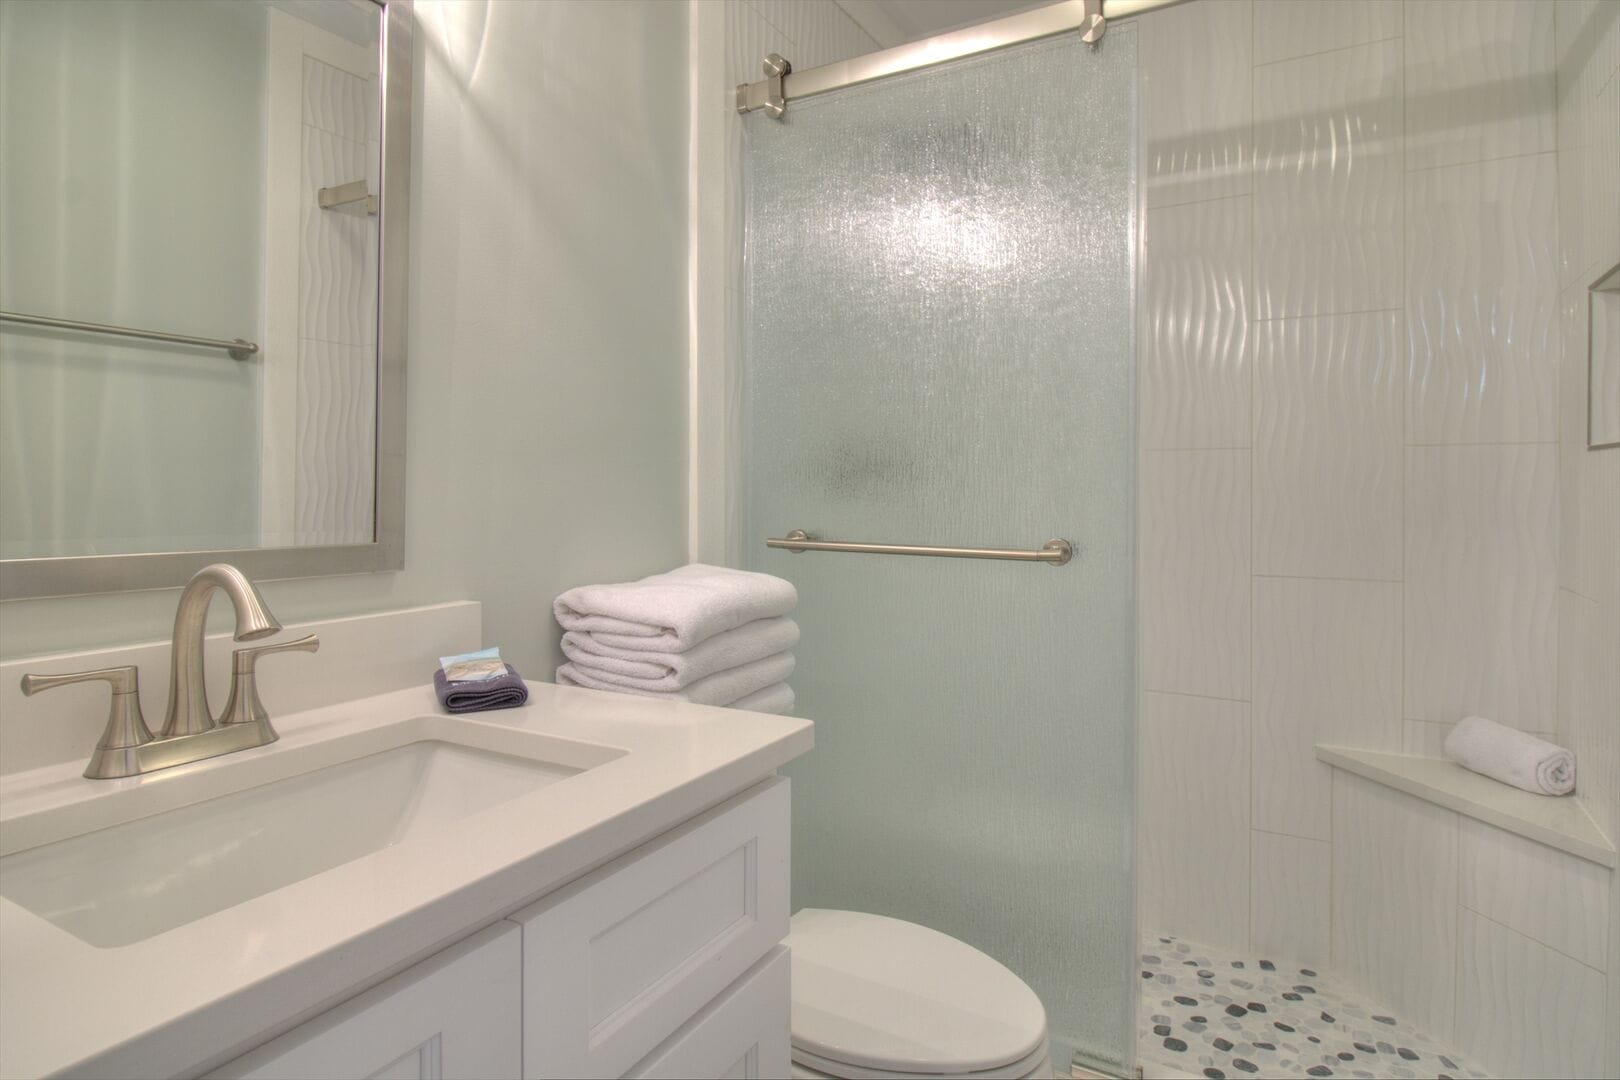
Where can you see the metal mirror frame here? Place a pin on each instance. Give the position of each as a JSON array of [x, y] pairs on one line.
[[1606, 283], [78, 575]]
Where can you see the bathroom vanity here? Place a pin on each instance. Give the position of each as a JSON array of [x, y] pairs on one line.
[[591, 885], [667, 962]]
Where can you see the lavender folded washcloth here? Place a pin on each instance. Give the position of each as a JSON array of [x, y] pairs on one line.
[[502, 692]]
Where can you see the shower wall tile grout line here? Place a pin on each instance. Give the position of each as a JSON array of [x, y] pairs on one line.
[[1329, 52], [1529, 937], [1329, 315], [1480, 161]]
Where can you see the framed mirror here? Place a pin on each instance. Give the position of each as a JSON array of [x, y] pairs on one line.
[[1603, 361], [203, 252]]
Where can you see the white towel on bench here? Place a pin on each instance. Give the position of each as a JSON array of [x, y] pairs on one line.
[[1511, 756]]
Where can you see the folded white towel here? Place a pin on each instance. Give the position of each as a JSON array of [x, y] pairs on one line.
[[1511, 756], [721, 688], [776, 698], [678, 609], [676, 670]]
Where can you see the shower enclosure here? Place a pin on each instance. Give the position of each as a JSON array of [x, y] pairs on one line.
[[940, 352], [1349, 440]]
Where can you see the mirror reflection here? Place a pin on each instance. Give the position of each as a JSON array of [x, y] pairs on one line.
[[201, 172]]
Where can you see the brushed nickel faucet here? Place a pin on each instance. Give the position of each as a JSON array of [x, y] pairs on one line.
[[190, 732], [188, 695]]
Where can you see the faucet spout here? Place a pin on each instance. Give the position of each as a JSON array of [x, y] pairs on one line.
[[188, 711]]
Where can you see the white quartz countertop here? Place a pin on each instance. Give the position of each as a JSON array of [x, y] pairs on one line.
[[193, 997]]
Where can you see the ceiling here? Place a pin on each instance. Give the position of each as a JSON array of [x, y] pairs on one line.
[[895, 22]]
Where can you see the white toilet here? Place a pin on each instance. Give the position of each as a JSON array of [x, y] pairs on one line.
[[878, 997]]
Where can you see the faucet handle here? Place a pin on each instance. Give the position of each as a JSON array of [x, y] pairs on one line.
[[243, 660], [244, 706], [124, 680], [126, 727]]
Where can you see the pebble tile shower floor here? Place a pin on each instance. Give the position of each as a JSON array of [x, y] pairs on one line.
[[1204, 1014]]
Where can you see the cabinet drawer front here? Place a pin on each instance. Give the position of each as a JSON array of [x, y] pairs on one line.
[[615, 963], [743, 1033], [455, 1014]]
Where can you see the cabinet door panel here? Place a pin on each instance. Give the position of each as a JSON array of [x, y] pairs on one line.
[[456, 1014], [616, 962], [425, 1062], [743, 1033]]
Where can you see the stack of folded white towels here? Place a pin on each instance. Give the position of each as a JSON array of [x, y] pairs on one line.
[[703, 634]]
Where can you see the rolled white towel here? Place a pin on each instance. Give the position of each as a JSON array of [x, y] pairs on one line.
[[662, 671], [1511, 756], [676, 610], [721, 688], [776, 698]]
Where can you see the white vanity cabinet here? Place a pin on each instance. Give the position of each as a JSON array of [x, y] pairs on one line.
[[737, 1035], [666, 961], [454, 1014], [620, 960]]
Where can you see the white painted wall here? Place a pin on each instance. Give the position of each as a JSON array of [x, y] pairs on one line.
[[547, 431]]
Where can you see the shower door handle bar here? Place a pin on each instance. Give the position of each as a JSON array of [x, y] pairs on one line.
[[237, 348], [1053, 552]]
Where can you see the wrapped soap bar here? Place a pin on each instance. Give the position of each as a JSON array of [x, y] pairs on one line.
[[480, 666]]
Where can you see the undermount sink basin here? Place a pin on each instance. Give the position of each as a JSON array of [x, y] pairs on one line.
[[129, 880]]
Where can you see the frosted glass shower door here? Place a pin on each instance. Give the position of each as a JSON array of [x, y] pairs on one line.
[[939, 351]]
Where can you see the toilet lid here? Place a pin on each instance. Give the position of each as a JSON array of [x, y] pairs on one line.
[[892, 995]]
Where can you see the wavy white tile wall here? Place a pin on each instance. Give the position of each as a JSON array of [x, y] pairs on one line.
[[1287, 28], [1549, 896], [1193, 355], [1194, 565], [336, 422], [1481, 578], [1196, 806], [336, 101], [1327, 664], [1480, 80], [337, 247], [1524, 1009], [1327, 446], [1587, 47], [1395, 900], [1291, 901], [1493, 942], [1405, 344], [1481, 301], [1328, 169], [1197, 141]]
